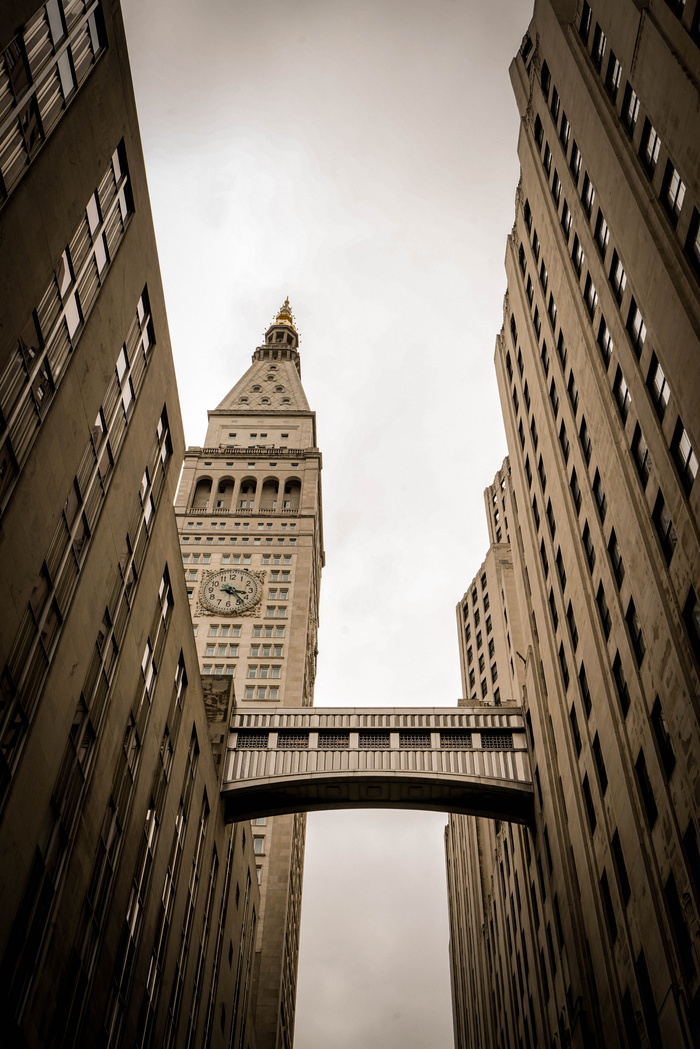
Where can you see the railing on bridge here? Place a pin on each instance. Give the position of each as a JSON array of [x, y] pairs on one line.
[[459, 759]]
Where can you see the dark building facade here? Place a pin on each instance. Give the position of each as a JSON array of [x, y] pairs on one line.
[[585, 930], [128, 907]]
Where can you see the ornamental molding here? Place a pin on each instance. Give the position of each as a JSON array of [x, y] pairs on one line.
[[253, 612]]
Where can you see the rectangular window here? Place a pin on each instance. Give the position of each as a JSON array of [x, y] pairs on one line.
[[608, 907], [564, 131], [587, 195], [605, 341], [599, 496], [663, 738], [646, 792], [575, 163], [664, 527], [616, 559], [684, 457], [566, 221], [599, 45], [602, 233], [641, 456], [575, 491], [590, 296], [630, 109], [564, 666], [622, 395], [573, 630], [547, 158], [584, 690], [672, 192], [577, 255], [564, 442], [635, 632], [572, 390], [603, 611], [554, 398], [585, 439], [618, 277], [585, 23], [621, 685], [650, 147], [588, 546], [613, 76], [599, 764], [588, 802], [692, 243], [658, 386]]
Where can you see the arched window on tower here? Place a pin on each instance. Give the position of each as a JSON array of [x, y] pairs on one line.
[[224, 494], [292, 494], [200, 499], [246, 493], [268, 496]]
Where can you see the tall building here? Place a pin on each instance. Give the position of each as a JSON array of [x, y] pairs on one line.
[[128, 906], [585, 929], [249, 516]]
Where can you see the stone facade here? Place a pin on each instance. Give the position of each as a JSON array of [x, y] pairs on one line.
[[123, 890], [249, 506], [585, 929]]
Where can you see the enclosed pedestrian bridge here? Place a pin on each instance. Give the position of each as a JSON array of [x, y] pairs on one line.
[[471, 760]]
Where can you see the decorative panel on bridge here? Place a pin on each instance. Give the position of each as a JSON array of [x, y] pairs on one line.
[[472, 760]]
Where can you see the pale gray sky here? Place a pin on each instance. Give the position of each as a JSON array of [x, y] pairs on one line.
[[360, 158]]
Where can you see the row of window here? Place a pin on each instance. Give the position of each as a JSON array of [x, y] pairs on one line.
[[41, 355], [292, 739], [37, 638], [681, 448], [276, 575], [274, 494], [234, 630], [41, 70], [672, 190], [256, 650], [291, 525]]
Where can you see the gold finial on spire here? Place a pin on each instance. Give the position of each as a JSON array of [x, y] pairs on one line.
[[285, 315]]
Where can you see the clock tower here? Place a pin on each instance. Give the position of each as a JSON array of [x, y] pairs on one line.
[[249, 518]]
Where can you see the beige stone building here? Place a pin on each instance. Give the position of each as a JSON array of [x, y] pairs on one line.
[[585, 930], [127, 907], [249, 516]]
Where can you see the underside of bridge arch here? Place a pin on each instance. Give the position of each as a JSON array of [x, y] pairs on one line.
[[494, 799]]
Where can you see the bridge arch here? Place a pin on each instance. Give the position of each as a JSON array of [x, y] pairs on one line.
[[470, 760]]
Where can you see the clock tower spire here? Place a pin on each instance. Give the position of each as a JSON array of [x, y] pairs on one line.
[[249, 517]]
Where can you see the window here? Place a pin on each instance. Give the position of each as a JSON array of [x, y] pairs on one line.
[[529, 290], [590, 296], [521, 259], [599, 496], [528, 471], [564, 442], [618, 277], [577, 256], [575, 492], [691, 616], [552, 311], [692, 243], [562, 351], [608, 907], [561, 571], [588, 802], [684, 457], [544, 357], [544, 558], [622, 394], [587, 195], [554, 104], [602, 233], [636, 328], [564, 132], [556, 187], [551, 520], [616, 559], [566, 221], [544, 276], [605, 341], [664, 527], [536, 514], [630, 109], [635, 631], [554, 398], [571, 620], [599, 764], [650, 147], [603, 611], [572, 390], [584, 690], [575, 163], [545, 79], [663, 738], [657, 386], [585, 23], [585, 439], [621, 685], [533, 432], [599, 45], [541, 474], [536, 246], [573, 721], [547, 158], [641, 456], [645, 789], [613, 76], [564, 666], [588, 546], [527, 213], [672, 192]]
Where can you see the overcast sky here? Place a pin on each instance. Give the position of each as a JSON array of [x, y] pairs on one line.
[[359, 157]]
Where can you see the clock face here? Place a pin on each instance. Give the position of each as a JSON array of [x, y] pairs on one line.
[[230, 591]]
